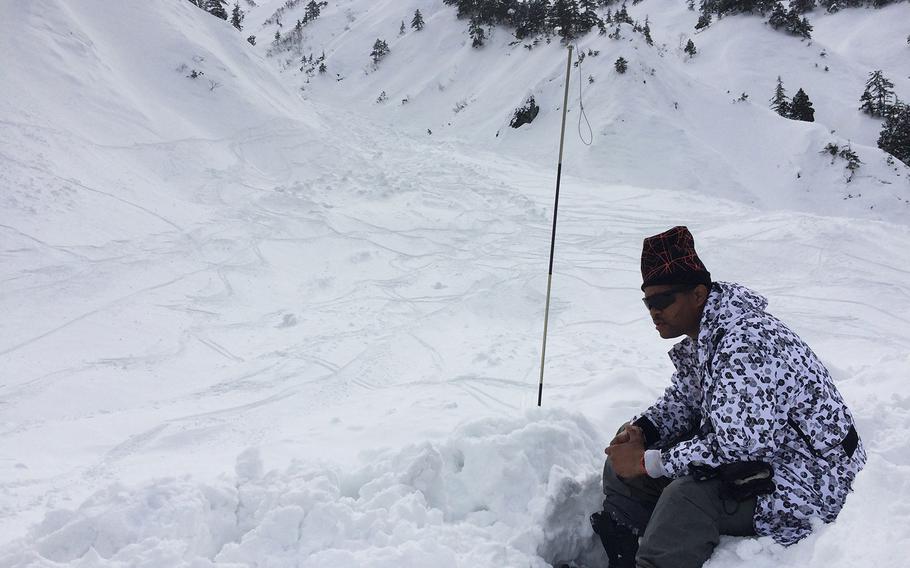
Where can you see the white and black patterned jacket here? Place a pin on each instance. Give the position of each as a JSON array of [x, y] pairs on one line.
[[755, 391]]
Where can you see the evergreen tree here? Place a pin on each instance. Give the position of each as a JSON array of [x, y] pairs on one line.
[[778, 18], [801, 107], [646, 31], [589, 17], [487, 12], [798, 25], [520, 20], [465, 8], [878, 96], [401, 28], [529, 18], [216, 8], [621, 65], [565, 16], [380, 50], [622, 16], [895, 135], [704, 20], [853, 161], [537, 15], [312, 11], [417, 21], [237, 17], [779, 102], [791, 21], [690, 48], [475, 30], [802, 6]]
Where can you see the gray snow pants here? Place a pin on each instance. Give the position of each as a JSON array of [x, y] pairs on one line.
[[682, 518]]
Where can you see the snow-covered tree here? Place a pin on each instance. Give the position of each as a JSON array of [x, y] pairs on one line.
[[690, 48], [237, 17], [895, 135], [565, 17], [802, 6], [621, 65], [529, 18], [380, 50], [464, 8], [417, 21], [475, 30], [878, 96], [799, 25], [216, 8], [401, 29], [312, 11], [778, 17], [801, 107], [589, 16], [622, 16], [792, 21], [646, 31], [779, 102]]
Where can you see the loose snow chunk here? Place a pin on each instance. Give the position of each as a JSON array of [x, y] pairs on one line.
[[501, 492]]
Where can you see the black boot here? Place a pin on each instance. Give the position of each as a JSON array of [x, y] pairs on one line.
[[620, 542]]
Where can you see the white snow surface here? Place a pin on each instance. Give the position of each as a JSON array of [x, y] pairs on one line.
[[257, 318]]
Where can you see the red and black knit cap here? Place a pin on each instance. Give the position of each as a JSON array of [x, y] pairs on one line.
[[670, 258]]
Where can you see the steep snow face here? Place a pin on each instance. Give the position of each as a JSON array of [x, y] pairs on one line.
[[671, 121], [104, 122], [240, 327], [116, 74]]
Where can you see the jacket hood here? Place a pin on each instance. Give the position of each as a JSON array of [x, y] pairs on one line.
[[728, 301]]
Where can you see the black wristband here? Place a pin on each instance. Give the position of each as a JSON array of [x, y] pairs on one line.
[[649, 430]]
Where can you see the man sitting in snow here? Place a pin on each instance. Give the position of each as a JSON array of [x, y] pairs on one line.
[[751, 437]]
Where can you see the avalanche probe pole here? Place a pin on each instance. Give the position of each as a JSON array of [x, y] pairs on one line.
[[546, 316]]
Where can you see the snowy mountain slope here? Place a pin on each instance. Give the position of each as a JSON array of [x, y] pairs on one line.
[[118, 75], [313, 339], [679, 112], [109, 83]]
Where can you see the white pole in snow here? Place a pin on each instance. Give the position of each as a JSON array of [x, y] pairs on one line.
[[546, 316]]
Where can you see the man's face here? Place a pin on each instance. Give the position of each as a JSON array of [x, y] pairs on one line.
[[682, 315]]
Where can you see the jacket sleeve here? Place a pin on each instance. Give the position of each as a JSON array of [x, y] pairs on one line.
[[744, 412], [674, 413]]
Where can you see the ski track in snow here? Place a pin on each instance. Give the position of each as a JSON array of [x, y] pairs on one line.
[[377, 319]]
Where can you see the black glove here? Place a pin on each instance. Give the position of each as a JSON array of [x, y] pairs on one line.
[[739, 480]]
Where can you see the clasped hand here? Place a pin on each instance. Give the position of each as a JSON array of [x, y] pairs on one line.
[[626, 452]]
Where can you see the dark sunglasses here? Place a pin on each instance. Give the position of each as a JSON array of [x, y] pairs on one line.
[[665, 299]]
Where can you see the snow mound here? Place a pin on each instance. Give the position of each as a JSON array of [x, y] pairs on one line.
[[497, 492]]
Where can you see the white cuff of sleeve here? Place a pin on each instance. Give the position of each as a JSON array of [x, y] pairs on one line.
[[653, 464]]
